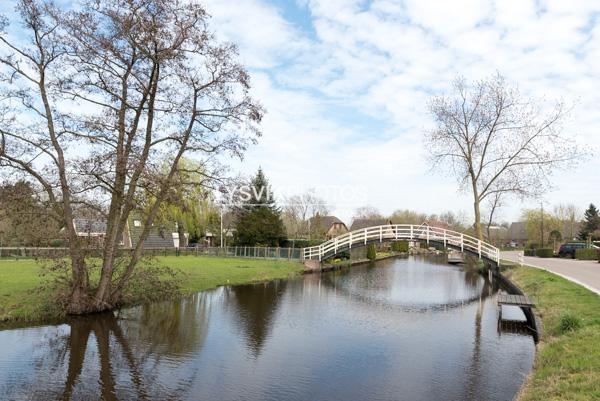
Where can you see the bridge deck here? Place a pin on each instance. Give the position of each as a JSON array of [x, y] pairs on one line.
[[515, 300]]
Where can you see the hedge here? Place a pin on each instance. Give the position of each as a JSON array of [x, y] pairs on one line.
[[544, 252], [400, 246], [529, 252], [587, 254]]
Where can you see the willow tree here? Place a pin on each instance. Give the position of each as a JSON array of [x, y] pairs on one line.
[[95, 99], [496, 142]]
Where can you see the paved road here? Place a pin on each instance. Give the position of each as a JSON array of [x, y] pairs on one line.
[[583, 272]]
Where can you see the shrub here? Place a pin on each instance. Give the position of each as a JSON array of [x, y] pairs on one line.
[[400, 246], [371, 252], [529, 252], [568, 322], [544, 252], [532, 245], [587, 254]]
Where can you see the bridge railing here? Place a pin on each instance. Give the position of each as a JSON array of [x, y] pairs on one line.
[[402, 232]]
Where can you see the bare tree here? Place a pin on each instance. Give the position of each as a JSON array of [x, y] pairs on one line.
[[367, 212], [298, 209], [495, 141], [95, 101], [569, 215], [494, 203]]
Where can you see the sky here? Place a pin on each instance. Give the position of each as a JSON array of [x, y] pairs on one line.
[[346, 83]]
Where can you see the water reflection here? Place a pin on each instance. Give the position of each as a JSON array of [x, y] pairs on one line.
[[254, 307], [412, 329]]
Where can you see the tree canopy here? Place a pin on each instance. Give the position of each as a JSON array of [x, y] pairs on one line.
[[590, 224], [496, 142], [258, 219]]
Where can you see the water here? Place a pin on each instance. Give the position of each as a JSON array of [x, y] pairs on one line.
[[404, 329]]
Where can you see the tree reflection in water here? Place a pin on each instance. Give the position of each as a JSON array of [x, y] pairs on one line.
[[126, 354], [254, 307]]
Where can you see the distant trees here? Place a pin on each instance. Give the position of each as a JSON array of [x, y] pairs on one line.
[[24, 217], [496, 142], [367, 212], [298, 209], [540, 224], [258, 219], [591, 224], [188, 202], [406, 216]]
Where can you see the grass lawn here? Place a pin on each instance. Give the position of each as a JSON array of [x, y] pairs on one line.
[[567, 365], [19, 280]]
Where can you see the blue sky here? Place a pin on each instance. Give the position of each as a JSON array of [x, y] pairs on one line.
[[346, 83]]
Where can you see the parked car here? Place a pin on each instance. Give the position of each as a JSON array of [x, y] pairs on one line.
[[568, 250]]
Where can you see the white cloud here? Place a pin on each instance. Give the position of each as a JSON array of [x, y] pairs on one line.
[[384, 60]]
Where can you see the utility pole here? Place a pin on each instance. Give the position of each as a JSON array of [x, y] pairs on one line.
[[542, 225], [222, 226]]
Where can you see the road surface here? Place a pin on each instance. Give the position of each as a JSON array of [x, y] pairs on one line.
[[583, 272]]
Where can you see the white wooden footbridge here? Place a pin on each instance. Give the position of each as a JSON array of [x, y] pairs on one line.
[[409, 232]]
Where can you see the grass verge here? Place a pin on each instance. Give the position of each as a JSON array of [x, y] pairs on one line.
[[22, 302], [567, 364]]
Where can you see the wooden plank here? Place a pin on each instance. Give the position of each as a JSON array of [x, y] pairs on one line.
[[514, 299]]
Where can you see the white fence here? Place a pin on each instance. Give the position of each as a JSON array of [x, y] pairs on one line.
[[403, 232]]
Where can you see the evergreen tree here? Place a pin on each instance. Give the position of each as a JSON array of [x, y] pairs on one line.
[[259, 219], [591, 222]]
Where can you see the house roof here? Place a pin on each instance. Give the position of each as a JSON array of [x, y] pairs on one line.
[[358, 224], [89, 226], [324, 221], [437, 224], [517, 231]]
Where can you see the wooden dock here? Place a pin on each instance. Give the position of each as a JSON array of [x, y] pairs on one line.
[[522, 301]]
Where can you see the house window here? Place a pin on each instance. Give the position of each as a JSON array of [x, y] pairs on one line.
[[137, 223]]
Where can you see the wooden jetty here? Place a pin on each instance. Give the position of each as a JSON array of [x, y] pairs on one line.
[[522, 301]]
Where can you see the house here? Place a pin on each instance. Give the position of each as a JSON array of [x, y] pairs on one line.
[[498, 235], [164, 235], [517, 234], [92, 229], [437, 224], [161, 235], [358, 224], [328, 226]]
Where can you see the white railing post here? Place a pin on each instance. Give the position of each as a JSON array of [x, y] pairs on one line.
[[444, 238], [412, 236], [427, 235], [365, 234], [350, 246], [380, 233], [462, 242]]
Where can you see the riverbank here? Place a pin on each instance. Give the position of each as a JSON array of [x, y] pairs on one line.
[[567, 364], [23, 302]]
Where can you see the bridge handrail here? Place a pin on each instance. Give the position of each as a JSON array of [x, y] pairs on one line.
[[403, 232]]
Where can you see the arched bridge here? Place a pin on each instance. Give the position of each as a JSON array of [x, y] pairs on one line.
[[393, 232]]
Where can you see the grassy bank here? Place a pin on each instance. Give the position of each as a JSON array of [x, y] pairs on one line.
[[20, 300], [567, 365]]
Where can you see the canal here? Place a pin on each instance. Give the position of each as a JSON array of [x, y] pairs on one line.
[[399, 329]]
